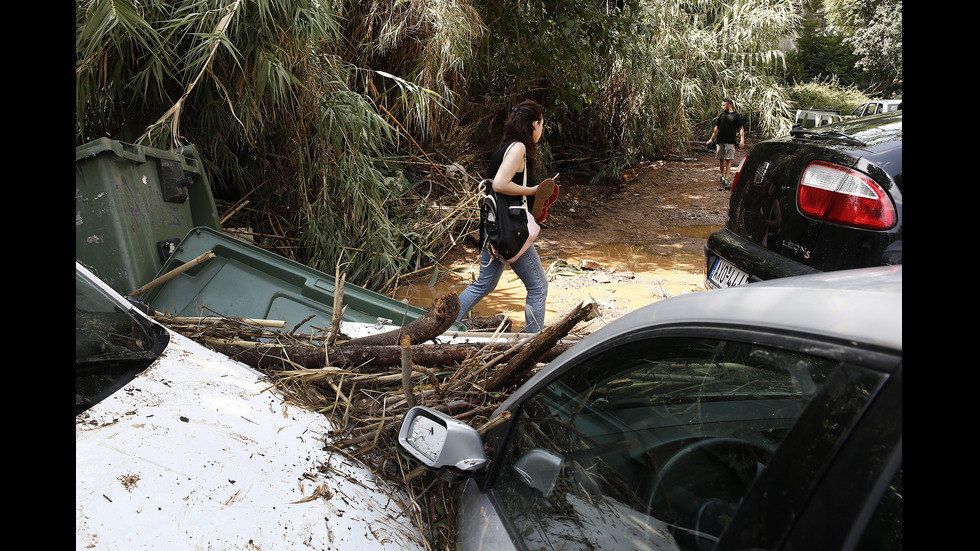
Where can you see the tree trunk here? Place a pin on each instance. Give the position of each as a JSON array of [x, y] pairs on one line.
[[435, 322], [274, 357]]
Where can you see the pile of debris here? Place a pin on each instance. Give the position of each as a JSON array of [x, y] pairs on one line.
[[367, 384]]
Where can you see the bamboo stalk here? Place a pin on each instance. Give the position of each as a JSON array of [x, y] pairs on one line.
[[214, 320], [173, 273], [406, 345], [338, 307], [234, 210]]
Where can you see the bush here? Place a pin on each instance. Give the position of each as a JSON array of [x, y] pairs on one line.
[[826, 94]]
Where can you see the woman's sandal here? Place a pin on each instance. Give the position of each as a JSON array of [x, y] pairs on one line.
[[544, 192]]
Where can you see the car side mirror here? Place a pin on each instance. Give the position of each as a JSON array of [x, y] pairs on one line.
[[539, 469], [439, 441]]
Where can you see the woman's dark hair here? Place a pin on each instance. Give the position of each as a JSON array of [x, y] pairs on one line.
[[519, 128]]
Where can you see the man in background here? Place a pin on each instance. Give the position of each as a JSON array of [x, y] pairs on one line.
[[729, 131]]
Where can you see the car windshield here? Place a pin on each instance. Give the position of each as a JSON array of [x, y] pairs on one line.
[[112, 344], [657, 442]]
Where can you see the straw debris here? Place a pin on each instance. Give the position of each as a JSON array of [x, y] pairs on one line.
[[366, 385]]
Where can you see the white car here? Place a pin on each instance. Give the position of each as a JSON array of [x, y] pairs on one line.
[[876, 107], [179, 447]]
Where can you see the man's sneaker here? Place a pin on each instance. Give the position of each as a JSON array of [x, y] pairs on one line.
[[725, 184]]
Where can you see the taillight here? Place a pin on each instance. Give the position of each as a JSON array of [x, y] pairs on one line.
[[738, 172], [838, 194]]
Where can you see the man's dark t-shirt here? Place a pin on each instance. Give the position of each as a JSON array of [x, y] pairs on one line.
[[728, 125]]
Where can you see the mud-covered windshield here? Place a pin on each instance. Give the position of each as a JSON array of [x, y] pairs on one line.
[[112, 344]]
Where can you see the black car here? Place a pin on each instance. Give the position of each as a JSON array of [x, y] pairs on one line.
[[817, 200]]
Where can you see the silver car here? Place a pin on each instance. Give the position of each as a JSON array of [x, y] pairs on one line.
[[763, 416]]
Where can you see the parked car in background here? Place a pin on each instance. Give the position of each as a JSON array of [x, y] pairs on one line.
[[180, 447], [812, 118], [766, 416], [821, 199], [877, 107]]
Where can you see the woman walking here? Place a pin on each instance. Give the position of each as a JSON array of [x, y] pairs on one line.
[[512, 162]]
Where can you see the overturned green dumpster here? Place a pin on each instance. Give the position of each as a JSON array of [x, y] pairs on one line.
[[143, 213]]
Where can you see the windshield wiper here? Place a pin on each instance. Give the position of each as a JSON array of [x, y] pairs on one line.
[[800, 133], [117, 357]]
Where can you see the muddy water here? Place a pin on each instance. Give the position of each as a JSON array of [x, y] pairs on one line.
[[641, 269]]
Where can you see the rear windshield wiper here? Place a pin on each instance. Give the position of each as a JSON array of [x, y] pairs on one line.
[[800, 133]]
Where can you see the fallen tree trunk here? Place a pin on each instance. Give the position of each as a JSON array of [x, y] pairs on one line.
[[278, 357], [384, 351], [435, 322]]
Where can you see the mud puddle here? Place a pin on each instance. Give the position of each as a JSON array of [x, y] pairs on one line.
[[620, 276], [643, 238]]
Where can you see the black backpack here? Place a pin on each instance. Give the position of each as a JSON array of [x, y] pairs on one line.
[[503, 222]]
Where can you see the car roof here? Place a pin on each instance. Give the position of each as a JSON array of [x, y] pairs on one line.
[[862, 306]]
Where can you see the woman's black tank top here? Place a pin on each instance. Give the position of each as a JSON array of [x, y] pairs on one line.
[[497, 160]]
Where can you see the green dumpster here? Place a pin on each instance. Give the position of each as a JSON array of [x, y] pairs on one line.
[[241, 280], [133, 205]]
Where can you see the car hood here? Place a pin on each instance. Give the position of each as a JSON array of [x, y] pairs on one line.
[[201, 452]]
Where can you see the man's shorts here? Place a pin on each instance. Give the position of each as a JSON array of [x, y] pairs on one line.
[[725, 151]]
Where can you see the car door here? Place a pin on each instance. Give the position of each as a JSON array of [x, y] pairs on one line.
[[836, 481], [655, 441]]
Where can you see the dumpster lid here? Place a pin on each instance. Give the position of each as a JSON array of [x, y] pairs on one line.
[[246, 281]]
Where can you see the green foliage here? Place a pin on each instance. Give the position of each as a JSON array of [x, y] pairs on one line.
[[337, 120], [826, 94], [873, 28], [635, 81], [714, 50], [820, 55], [263, 90]]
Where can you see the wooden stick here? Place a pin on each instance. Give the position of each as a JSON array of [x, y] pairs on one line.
[[173, 273], [406, 345], [338, 305], [202, 320], [538, 347], [427, 327]]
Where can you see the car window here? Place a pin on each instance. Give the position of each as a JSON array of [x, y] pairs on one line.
[[112, 345], [652, 444], [885, 530]]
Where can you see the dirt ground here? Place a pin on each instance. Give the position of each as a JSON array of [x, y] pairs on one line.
[[624, 246]]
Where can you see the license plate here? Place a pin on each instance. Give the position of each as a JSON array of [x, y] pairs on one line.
[[724, 274]]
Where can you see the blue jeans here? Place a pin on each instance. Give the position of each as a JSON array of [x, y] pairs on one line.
[[528, 267]]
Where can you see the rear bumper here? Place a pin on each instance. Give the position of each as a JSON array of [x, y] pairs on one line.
[[759, 262]]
